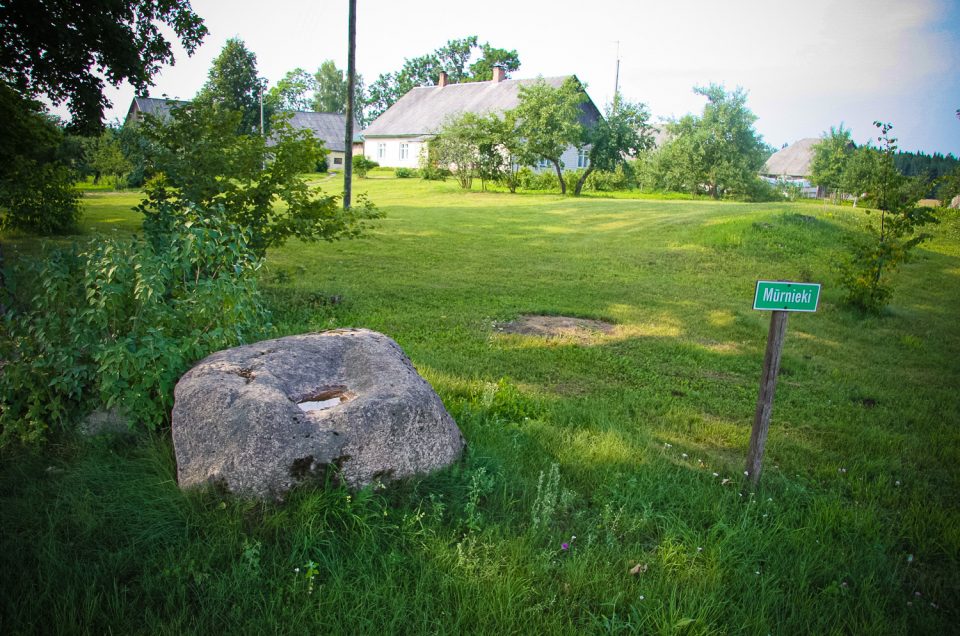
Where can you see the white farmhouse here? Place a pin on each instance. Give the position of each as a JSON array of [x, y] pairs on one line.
[[396, 138]]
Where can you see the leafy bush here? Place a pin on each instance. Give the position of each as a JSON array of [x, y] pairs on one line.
[[866, 269], [38, 197], [433, 173], [571, 177], [118, 322], [36, 185], [622, 178], [362, 165], [200, 161], [530, 180], [406, 173]]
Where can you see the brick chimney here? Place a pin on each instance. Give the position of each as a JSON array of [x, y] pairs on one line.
[[499, 74], [443, 79]]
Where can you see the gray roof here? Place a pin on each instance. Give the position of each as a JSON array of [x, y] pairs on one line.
[[327, 127], [423, 110], [152, 106], [792, 161]]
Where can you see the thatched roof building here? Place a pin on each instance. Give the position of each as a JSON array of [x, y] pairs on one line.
[[794, 161]]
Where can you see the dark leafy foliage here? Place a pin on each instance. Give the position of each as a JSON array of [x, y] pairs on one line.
[[69, 50], [36, 188]]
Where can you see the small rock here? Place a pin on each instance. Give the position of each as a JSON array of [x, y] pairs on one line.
[[105, 422]]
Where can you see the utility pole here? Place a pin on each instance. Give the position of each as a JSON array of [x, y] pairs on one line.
[[351, 87], [616, 81], [261, 82]]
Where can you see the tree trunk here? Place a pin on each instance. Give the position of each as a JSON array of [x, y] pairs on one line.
[[582, 180], [563, 184]]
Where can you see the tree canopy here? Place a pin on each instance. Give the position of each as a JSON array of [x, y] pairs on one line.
[[294, 91], [233, 84], [622, 134], [718, 150], [830, 157], [68, 51], [548, 119], [331, 89]]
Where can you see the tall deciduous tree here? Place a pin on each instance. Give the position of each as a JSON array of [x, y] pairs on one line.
[[718, 150], [293, 92], [233, 84], [548, 119], [623, 134], [830, 157], [331, 89], [68, 51], [482, 69], [454, 57]]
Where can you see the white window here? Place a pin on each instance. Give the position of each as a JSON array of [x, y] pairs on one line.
[[404, 151], [381, 151], [583, 158], [338, 161], [543, 163]]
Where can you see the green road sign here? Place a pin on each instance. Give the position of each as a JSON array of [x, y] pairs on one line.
[[783, 296]]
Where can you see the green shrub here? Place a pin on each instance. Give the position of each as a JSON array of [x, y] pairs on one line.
[[759, 190], [866, 269], [530, 180], [38, 197], [362, 165], [432, 173], [36, 184], [119, 321], [406, 173], [200, 161], [571, 177], [604, 181]]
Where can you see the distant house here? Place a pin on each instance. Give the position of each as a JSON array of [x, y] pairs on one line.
[[792, 164], [397, 137], [329, 128], [141, 106]]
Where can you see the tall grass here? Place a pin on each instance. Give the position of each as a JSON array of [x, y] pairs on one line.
[[587, 459]]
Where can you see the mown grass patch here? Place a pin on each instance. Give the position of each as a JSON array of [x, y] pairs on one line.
[[633, 443]]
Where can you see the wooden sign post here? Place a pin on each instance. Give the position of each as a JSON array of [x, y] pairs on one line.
[[780, 298]]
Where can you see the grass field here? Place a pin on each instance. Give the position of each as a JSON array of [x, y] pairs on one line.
[[633, 443]]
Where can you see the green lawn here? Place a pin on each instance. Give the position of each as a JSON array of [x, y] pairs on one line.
[[634, 443]]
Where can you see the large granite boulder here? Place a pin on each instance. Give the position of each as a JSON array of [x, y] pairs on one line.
[[261, 418]]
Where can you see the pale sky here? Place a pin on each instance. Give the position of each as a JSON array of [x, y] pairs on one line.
[[806, 66]]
